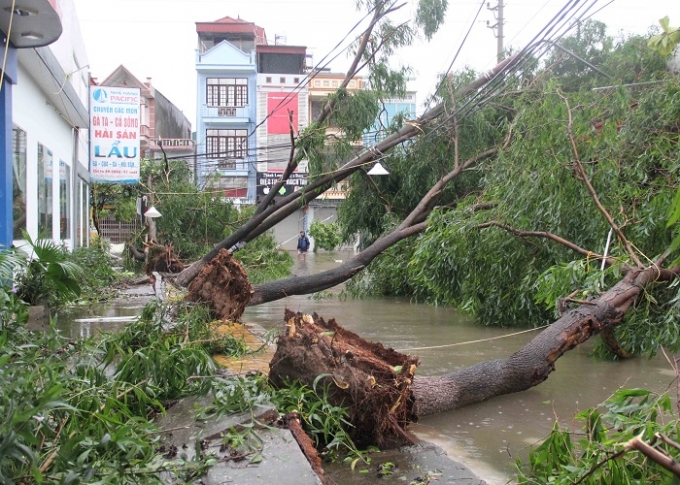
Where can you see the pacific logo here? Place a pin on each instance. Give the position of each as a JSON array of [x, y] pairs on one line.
[[100, 95]]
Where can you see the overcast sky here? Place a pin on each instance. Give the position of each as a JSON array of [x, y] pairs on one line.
[[157, 38]]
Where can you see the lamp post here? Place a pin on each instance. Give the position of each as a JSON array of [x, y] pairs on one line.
[[150, 214]]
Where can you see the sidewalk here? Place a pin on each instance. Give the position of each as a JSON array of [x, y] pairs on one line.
[[253, 337]]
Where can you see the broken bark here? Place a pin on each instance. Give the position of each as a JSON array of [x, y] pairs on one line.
[[372, 382], [222, 284], [291, 421]]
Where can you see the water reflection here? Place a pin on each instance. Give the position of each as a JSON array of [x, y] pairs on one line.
[[69, 321]]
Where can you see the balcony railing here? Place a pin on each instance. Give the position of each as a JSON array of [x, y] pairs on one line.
[[183, 144], [224, 112]]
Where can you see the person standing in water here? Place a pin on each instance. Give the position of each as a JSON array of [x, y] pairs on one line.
[[302, 246]]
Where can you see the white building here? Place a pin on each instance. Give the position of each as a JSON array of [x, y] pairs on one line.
[[49, 116]]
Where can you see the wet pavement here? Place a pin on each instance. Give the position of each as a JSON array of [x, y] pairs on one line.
[[264, 454], [272, 455]]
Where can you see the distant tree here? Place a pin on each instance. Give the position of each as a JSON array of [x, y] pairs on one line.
[[326, 235]]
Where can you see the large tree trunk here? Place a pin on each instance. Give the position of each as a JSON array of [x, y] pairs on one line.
[[313, 350], [533, 363]]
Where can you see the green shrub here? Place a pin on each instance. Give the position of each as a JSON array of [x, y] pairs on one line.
[[326, 236]]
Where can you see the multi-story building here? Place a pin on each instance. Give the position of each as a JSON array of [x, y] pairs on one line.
[[282, 107], [389, 109], [281, 102], [44, 118], [162, 123], [322, 85], [226, 143]]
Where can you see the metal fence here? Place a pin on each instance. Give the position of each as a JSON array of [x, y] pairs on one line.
[[116, 231]]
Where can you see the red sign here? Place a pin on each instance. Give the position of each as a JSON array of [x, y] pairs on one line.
[[278, 105]]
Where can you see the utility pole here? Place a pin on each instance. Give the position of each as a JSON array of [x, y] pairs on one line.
[[498, 27]]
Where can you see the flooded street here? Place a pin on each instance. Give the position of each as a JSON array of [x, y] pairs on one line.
[[490, 436], [487, 437]]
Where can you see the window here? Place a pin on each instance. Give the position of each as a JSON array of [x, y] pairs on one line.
[[82, 213], [282, 80], [335, 84], [317, 107], [19, 177], [44, 192], [227, 145], [227, 92], [317, 83], [268, 80], [64, 200], [326, 83], [296, 80]]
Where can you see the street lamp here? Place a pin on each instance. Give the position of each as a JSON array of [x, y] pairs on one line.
[[378, 169], [152, 212]]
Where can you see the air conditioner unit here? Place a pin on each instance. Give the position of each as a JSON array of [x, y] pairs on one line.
[[223, 111]]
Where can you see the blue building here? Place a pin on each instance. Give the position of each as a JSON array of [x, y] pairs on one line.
[[226, 143], [390, 108]]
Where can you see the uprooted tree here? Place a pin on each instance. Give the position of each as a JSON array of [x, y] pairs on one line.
[[513, 183]]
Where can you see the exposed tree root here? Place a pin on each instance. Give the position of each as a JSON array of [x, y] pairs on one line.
[[222, 284], [163, 260], [372, 382]]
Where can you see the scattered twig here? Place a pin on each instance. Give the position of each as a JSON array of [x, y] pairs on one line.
[[598, 465], [46, 464], [662, 459]]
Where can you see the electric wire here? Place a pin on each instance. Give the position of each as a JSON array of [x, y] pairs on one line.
[[536, 45], [4, 57], [460, 48], [308, 77], [556, 28]]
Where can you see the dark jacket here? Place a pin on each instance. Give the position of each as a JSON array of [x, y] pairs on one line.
[[304, 246]]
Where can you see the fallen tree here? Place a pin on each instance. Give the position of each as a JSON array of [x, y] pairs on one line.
[[373, 383], [533, 363], [380, 387]]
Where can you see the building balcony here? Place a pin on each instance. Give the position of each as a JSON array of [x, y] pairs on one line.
[[333, 194], [173, 144], [225, 114]]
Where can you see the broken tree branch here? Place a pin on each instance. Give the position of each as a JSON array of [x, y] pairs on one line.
[[547, 235], [591, 189]]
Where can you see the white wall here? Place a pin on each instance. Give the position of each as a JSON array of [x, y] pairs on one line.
[[43, 108], [69, 50], [42, 124]]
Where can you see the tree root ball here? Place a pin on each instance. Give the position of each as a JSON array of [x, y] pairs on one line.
[[162, 259], [222, 284], [372, 382]]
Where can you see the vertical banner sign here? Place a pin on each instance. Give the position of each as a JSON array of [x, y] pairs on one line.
[[114, 134]]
